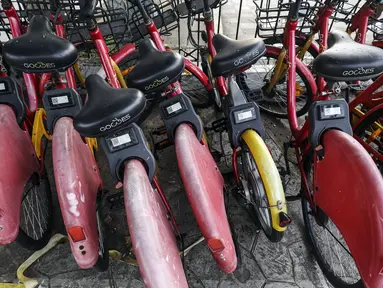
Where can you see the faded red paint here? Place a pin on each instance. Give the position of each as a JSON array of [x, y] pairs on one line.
[[17, 165], [204, 187], [350, 192], [77, 181], [152, 236]]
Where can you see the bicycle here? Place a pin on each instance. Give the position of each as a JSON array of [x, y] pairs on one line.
[[255, 172], [26, 205], [78, 181], [109, 115], [332, 184], [116, 67]]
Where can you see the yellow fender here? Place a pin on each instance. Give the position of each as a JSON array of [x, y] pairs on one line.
[[39, 131], [269, 174]]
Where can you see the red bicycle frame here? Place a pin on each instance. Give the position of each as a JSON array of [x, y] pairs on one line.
[[334, 189]]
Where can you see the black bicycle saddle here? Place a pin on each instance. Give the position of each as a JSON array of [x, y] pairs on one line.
[[156, 69], [347, 60], [233, 55], [107, 109], [39, 50]]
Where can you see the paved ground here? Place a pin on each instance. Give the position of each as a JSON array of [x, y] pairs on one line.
[[264, 264]]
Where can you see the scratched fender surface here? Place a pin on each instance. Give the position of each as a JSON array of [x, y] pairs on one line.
[[350, 192], [17, 165], [204, 187], [77, 181], [152, 236]]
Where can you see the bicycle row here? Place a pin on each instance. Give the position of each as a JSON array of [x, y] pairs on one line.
[[338, 197]]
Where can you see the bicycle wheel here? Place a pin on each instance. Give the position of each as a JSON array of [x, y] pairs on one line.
[[328, 244], [260, 185], [102, 263], [190, 83], [370, 130], [36, 213], [254, 81]]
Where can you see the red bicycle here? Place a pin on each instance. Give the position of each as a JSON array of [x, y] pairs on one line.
[[109, 115], [25, 196], [339, 179], [78, 181]]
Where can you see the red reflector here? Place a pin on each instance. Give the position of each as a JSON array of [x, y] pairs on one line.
[[215, 244], [76, 233]]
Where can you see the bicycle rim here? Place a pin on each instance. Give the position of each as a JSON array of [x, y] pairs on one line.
[[258, 197], [254, 82], [328, 244]]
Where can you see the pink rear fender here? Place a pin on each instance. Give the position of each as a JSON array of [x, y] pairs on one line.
[[152, 236], [350, 192], [77, 181], [204, 187], [18, 163]]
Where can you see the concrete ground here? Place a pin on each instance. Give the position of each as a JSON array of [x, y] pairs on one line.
[[264, 264]]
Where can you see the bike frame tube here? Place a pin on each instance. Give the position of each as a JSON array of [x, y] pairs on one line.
[[153, 239], [69, 73], [29, 79], [220, 81], [103, 52], [359, 22], [78, 181], [17, 165], [367, 94]]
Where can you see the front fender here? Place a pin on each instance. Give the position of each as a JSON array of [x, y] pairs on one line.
[[78, 181], [18, 163], [350, 192]]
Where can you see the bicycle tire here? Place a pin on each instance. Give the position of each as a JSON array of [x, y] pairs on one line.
[[249, 91], [263, 180], [360, 130], [24, 238], [310, 235]]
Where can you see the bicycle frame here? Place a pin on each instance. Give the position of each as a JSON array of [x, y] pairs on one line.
[[332, 188]]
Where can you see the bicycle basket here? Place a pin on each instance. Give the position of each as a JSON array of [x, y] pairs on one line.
[[376, 23], [271, 16], [197, 7], [161, 11], [344, 11]]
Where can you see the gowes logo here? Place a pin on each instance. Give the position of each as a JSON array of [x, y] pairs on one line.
[[39, 65], [115, 122], [359, 71], [157, 83]]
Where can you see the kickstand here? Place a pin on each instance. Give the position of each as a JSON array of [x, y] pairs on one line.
[[286, 147]]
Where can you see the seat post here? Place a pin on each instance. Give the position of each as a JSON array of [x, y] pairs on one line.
[[237, 95]]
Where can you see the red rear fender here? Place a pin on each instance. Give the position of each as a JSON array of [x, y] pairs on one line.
[[77, 181], [350, 192], [18, 163]]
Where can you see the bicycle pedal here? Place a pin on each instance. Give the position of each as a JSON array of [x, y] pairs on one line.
[[115, 202], [286, 146], [216, 156], [159, 131], [219, 125], [291, 198], [162, 144]]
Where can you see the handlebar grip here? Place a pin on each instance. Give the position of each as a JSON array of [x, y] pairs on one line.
[[294, 9], [87, 8]]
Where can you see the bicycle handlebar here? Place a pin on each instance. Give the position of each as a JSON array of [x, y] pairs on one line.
[[294, 9], [87, 8]]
